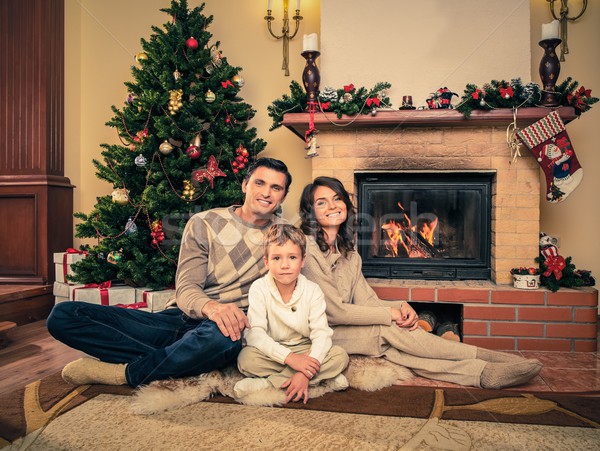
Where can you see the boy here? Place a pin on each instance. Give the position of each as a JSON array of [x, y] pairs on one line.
[[289, 341]]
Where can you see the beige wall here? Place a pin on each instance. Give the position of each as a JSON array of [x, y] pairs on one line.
[[416, 46]]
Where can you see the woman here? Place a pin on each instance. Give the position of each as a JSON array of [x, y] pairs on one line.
[[364, 324]]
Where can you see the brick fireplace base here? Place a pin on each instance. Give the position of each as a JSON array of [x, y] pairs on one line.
[[506, 318]]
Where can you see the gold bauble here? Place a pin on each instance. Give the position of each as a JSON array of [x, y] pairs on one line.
[[238, 80], [165, 148], [141, 56], [196, 141], [210, 96]]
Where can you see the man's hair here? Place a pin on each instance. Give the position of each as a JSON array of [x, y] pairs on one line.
[[271, 163], [279, 234]]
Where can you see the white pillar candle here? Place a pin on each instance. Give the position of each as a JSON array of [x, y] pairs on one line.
[[310, 43], [550, 30]]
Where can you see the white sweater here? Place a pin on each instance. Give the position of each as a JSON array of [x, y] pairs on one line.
[[275, 324]]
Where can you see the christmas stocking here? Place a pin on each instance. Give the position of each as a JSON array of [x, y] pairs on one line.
[[549, 142]]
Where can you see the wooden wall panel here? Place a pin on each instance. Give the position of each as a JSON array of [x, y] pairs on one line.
[[18, 253]]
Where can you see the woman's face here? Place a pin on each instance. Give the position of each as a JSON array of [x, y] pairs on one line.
[[330, 209]]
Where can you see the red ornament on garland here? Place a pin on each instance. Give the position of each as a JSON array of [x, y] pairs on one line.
[[157, 234], [192, 43], [193, 152]]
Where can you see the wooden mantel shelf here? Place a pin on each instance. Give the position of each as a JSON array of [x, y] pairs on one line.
[[298, 122]]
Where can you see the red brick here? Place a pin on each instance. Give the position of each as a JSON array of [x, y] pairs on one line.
[[475, 328], [392, 293], [498, 313], [585, 346], [422, 294], [574, 297], [463, 295], [514, 296], [586, 315], [545, 314], [506, 344], [572, 330], [534, 344], [517, 329]]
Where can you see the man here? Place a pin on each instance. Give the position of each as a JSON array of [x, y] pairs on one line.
[[220, 257]]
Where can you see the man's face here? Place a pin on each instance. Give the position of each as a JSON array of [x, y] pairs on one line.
[[265, 191]]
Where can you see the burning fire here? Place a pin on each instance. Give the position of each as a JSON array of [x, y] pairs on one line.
[[416, 240]]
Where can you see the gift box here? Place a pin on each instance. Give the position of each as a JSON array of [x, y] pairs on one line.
[[63, 262], [156, 299], [65, 290], [104, 294], [59, 299]]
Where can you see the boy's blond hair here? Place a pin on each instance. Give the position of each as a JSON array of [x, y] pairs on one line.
[[279, 234]]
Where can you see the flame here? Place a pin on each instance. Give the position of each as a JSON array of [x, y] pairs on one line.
[[403, 233]]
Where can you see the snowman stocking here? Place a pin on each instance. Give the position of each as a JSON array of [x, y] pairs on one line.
[[549, 142]]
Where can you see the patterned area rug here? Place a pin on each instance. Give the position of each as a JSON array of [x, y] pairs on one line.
[[54, 415]]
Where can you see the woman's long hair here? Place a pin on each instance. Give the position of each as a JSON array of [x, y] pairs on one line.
[[310, 226]]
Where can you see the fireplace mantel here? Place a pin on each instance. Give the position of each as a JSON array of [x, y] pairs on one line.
[[298, 122]]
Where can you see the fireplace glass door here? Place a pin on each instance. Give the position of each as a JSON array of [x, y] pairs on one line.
[[425, 225]]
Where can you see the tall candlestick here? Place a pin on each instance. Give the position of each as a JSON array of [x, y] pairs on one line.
[[550, 30]]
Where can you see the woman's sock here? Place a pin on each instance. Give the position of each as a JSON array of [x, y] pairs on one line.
[[497, 357], [501, 375], [92, 371]]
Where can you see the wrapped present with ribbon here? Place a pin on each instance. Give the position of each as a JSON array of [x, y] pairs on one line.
[[63, 262], [65, 290], [157, 300], [104, 294]]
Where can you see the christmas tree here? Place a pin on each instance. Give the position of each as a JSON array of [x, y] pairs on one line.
[[185, 146]]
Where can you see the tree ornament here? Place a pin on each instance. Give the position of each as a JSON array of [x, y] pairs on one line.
[[165, 148], [482, 102], [130, 98], [130, 227], [140, 161], [347, 97], [188, 190], [197, 140], [115, 257], [141, 56], [120, 196], [157, 233], [210, 96], [238, 80], [177, 75], [549, 142], [212, 170], [193, 152], [192, 43], [175, 101]]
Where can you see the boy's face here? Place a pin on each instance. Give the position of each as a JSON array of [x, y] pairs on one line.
[[284, 263]]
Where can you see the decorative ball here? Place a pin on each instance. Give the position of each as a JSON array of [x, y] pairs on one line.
[[209, 69], [507, 96], [141, 56], [238, 80], [193, 152], [114, 257], [347, 97], [176, 75], [140, 161], [210, 96], [130, 98], [482, 102], [373, 111], [192, 43], [120, 196], [165, 148], [130, 227]]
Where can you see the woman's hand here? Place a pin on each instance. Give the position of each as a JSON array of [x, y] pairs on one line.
[[405, 316]]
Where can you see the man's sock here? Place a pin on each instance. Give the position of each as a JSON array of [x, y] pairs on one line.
[[501, 375], [92, 371], [497, 357]]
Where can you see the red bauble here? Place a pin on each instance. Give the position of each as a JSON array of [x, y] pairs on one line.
[[191, 43], [193, 152]]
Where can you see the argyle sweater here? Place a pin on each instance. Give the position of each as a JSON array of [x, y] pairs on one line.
[[219, 258]]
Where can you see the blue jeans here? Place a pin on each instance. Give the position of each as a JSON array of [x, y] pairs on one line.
[[162, 345]]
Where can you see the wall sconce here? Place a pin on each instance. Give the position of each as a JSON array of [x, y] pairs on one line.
[[285, 31], [563, 17]]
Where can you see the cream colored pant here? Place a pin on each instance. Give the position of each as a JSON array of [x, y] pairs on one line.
[[254, 363], [424, 353]]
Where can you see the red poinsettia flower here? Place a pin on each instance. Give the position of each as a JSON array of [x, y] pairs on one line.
[[477, 93], [507, 93], [348, 88]]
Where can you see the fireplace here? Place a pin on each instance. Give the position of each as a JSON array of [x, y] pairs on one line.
[[425, 225]]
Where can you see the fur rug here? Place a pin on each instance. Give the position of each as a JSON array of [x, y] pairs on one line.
[[363, 373]]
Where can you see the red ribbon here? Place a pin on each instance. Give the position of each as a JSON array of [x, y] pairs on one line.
[[103, 287], [476, 93], [137, 305], [325, 105], [70, 250], [227, 83], [509, 91], [555, 264], [373, 100], [348, 88]]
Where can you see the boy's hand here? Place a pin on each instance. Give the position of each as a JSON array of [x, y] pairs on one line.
[[304, 364], [297, 388], [229, 318]]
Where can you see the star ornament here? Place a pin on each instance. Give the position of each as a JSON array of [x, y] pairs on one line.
[[212, 170]]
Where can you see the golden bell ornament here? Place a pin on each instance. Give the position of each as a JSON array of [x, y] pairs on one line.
[[210, 96], [197, 140], [165, 148], [141, 56]]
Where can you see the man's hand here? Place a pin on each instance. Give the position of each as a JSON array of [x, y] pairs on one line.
[[229, 318], [297, 388], [303, 363], [405, 316]]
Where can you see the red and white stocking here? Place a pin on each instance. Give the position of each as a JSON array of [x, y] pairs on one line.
[[549, 142]]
